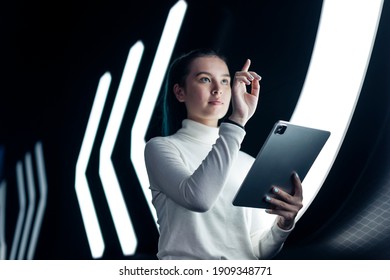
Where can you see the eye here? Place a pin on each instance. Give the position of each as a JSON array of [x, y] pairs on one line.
[[225, 82], [205, 79]]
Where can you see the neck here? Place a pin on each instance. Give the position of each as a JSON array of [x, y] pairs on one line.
[[211, 123], [199, 131]]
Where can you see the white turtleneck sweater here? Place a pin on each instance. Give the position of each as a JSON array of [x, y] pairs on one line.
[[194, 176]]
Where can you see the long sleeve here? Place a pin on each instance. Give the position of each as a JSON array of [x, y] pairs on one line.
[[267, 240], [194, 187]]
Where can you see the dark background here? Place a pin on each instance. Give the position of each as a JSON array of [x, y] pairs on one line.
[[53, 54]]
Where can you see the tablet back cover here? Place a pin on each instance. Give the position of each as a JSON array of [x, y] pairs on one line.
[[289, 148]]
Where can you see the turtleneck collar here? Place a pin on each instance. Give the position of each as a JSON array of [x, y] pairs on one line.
[[198, 131]]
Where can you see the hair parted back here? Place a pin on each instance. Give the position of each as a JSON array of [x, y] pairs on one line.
[[173, 111]]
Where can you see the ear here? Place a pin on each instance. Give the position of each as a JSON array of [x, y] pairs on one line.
[[179, 93]]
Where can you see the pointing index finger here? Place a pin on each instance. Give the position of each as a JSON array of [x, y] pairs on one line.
[[246, 65]]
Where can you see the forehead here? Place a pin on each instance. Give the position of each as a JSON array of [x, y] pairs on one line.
[[209, 64]]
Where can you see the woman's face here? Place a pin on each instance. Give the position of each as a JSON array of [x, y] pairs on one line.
[[207, 90]]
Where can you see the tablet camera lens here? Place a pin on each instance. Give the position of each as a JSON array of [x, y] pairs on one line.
[[280, 129]]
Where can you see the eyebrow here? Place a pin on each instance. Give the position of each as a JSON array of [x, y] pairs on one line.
[[207, 73]]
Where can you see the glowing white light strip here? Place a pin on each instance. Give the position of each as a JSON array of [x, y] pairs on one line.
[[22, 209], [338, 66], [116, 202], [88, 212], [30, 208], [42, 200], [150, 95], [3, 243]]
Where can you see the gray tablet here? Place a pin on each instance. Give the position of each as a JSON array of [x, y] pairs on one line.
[[289, 148]]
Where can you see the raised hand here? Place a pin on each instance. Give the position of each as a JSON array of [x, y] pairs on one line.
[[244, 103]]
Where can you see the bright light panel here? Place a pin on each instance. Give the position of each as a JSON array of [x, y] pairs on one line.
[[150, 95], [111, 187], [3, 243], [22, 210], [87, 208], [341, 55], [40, 211]]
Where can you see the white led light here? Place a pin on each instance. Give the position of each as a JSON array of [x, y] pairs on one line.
[[150, 95], [87, 208], [22, 210], [3, 243], [30, 208], [27, 228], [112, 190], [42, 182], [341, 55]]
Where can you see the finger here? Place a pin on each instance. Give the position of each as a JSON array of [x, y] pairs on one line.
[[246, 65], [244, 77], [239, 80], [298, 192], [255, 75], [279, 205], [247, 76], [255, 89], [282, 213], [281, 195]]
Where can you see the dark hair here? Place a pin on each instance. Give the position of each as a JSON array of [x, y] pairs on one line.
[[173, 111]]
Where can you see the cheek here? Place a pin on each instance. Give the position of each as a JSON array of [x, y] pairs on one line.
[[227, 99], [194, 101], [228, 96], [196, 98], [200, 96]]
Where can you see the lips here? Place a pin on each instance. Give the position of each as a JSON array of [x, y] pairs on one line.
[[216, 102]]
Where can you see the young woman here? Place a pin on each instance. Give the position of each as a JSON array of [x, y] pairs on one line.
[[197, 167]]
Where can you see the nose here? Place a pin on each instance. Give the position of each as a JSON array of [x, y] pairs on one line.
[[217, 91]]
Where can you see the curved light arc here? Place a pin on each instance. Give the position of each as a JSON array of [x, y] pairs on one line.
[[341, 55]]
